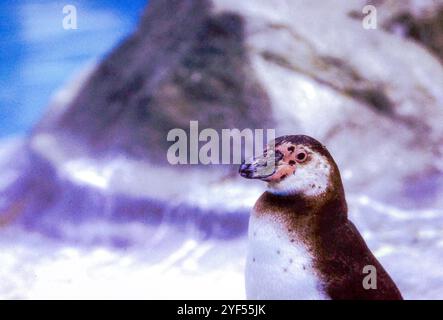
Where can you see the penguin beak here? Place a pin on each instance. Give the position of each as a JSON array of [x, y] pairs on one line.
[[260, 167]]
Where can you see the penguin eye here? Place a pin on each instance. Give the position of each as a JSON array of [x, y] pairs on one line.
[[301, 156]]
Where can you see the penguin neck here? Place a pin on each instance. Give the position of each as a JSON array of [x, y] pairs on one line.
[[328, 205], [303, 212]]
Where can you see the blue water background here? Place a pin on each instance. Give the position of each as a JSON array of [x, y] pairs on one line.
[[38, 56]]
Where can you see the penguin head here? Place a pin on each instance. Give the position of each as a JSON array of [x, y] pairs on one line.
[[295, 164]]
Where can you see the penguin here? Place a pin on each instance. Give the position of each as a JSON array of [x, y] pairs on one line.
[[301, 244]]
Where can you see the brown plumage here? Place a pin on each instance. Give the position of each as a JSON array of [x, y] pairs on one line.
[[320, 222]]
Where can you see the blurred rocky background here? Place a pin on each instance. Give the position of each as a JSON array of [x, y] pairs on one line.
[[92, 209]]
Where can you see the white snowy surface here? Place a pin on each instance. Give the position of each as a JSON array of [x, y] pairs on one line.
[[36, 268], [409, 245], [164, 263]]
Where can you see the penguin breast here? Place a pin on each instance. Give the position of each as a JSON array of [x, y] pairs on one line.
[[278, 265]]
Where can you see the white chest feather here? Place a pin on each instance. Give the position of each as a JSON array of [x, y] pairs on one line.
[[278, 267]]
